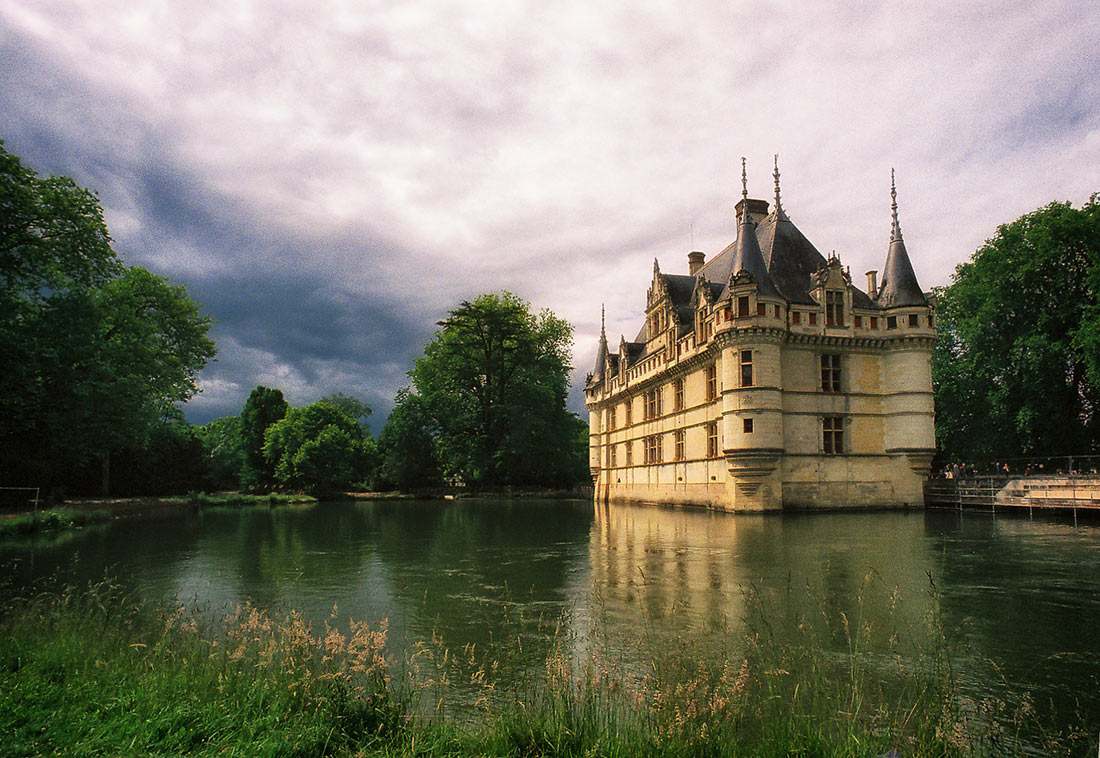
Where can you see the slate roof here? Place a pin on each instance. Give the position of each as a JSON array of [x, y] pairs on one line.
[[899, 283]]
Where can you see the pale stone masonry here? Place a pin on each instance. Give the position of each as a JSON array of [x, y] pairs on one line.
[[765, 380]]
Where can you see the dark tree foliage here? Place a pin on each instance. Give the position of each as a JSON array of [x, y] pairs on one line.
[[223, 452], [170, 461], [96, 354], [494, 381], [1016, 369], [319, 449], [263, 408], [407, 446]]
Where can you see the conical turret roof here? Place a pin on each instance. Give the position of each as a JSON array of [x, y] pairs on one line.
[[747, 257], [601, 352], [899, 282]]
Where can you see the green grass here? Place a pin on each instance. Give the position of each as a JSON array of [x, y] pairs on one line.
[[241, 499], [26, 524], [94, 672]]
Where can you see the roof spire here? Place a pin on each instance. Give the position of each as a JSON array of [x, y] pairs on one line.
[[778, 205], [744, 183], [895, 228], [603, 320]]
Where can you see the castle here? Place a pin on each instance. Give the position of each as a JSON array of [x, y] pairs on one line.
[[764, 380]]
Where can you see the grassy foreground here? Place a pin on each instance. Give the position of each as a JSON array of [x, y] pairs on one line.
[[93, 672], [241, 498]]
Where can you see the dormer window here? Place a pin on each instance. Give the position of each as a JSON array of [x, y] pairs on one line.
[[834, 308]]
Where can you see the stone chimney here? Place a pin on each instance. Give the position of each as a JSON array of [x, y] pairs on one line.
[[695, 262], [872, 282]]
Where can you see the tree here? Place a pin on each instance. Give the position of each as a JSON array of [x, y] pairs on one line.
[[407, 445], [1016, 370], [96, 353], [356, 409], [320, 449], [223, 452], [263, 408], [494, 381]]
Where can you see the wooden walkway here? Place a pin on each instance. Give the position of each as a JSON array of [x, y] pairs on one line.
[[1016, 493]]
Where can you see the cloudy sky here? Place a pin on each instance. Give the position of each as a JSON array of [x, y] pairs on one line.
[[330, 178]]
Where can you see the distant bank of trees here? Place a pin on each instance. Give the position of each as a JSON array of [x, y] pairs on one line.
[[97, 357], [1016, 369]]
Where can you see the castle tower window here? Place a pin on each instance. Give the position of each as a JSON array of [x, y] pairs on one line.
[[874, 322], [761, 309], [913, 320], [653, 453], [747, 425], [712, 382], [678, 395], [813, 319], [796, 317], [830, 372], [742, 306], [833, 435], [746, 368], [891, 322], [678, 438], [712, 439], [777, 311], [834, 308], [858, 320], [931, 321]]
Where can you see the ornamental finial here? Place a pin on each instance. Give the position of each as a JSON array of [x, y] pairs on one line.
[[778, 205], [895, 227], [744, 180]]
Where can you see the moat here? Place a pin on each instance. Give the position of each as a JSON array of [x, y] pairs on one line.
[[1018, 599]]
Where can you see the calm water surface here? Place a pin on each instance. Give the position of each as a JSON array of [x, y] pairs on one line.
[[500, 580]]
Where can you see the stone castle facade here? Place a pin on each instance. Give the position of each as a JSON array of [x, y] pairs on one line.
[[765, 380]]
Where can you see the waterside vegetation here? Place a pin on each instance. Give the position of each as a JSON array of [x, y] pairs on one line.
[[27, 524], [94, 672]]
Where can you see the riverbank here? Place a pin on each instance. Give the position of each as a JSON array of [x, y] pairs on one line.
[[93, 672]]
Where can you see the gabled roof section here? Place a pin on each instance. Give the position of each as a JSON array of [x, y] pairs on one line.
[[899, 282]]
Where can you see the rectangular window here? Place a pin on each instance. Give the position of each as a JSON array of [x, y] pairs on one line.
[[796, 317], [678, 395], [629, 412], [742, 306], [653, 451], [931, 321], [712, 382], [614, 463], [858, 320], [761, 309], [678, 437], [813, 319], [834, 308], [874, 322], [913, 320], [746, 368], [611, 419], [747, 425], [777, 311], [629, 452], [891, 322], [830, 373], [712, 439], [833, 441], [653, 403]]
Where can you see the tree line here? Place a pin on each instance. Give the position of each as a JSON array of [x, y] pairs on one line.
[[98, 357]]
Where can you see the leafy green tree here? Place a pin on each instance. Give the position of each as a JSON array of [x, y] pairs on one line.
[[263, 408], [494, 380], [407, 445], [96, 353], [353, 407], [1016, 370], [320, 449], [223, 452]]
